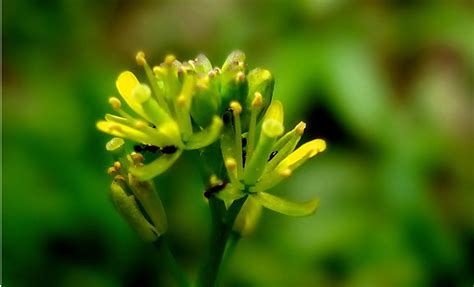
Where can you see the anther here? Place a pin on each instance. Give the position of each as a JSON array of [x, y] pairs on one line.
[[115, 103], [137, 157], [158, 71], [117, 165], [111, 170], [257, 100], [119, 178], [140, 58], [236, 107], [239, 77], [212, 74], [181, 101], [169, 59], [231, 164]]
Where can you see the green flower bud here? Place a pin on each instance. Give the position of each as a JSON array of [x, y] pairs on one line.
[[259, 81], [127, 207], [205, 103], [233, 60], [234, 88], [202, 64], [146, 194]]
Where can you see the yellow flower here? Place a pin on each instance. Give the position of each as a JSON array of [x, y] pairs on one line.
[[265, 163], [162, 114]]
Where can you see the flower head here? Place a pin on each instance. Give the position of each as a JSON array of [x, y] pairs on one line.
[[167, 112], [268, 157]]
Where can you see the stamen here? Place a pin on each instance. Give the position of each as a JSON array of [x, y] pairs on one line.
[[211, 74], [157, 94], [159, 71], [137, 157], [111, 171], [255, 108], [181, 101], [182, 107], [231, 166], [140, 58], [117, 165], [237, 110], [257, 100], [119, 178], [115, 103], [271, 129], [169, 59], [240, 77]]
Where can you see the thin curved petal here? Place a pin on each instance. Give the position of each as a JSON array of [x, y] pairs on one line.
[[156, 167], [304, 152], [206, 136], [124, 131], [284, 206]]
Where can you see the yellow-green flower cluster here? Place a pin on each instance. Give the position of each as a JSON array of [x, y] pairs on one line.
[[190, 105], [265, 162]]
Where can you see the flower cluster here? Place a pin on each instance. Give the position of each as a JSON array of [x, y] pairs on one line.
[[189, 106]]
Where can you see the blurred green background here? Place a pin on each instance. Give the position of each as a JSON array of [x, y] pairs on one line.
[[389, 85]]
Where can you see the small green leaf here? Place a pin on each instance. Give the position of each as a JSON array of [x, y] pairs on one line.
[[284, 206]]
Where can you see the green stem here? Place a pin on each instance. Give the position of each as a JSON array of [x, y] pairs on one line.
[[223, 222], [234, 238], [165, 253]]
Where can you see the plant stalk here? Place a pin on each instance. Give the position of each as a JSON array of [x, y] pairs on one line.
[[165, 253], [223, 221]]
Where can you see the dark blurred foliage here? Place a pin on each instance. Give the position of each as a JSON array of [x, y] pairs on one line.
[[389, 84]]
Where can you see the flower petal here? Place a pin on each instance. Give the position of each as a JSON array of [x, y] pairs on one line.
[[156, 167], [206, 136], [284, 206], [304, 152], [124, 131], [275, 112], [126, 83]]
